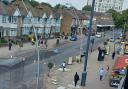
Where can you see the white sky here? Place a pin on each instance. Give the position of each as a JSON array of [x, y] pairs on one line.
[[76, 3]]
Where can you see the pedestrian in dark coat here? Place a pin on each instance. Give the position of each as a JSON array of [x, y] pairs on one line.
[[10, 45], [76, 79], [113, 55]]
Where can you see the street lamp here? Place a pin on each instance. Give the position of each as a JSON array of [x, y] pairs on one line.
[[37, 48], [84, 73]]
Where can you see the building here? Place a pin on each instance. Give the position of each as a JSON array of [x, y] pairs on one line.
[[15, 21], [73, 21], [101, 21], [105, 5]]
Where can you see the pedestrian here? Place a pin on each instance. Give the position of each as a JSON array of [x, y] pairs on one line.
[[46, 45], [57, 41], [107, 68], [99, 48], [10, 45], [101, 73], [113, 55], [63, 65], [32, 40], [42, 41], [76, 78]]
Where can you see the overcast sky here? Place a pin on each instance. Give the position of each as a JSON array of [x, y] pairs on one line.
[[77, 3]]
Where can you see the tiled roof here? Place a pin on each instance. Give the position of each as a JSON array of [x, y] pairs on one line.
[[12, 7], [77, 13], [98, 14], [3, 8], [105, 22], [41, 9]]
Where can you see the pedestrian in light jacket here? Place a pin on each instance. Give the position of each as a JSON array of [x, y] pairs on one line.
[[101, 73]]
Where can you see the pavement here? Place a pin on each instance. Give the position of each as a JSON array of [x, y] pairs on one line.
[[27, 47], [64, 80]]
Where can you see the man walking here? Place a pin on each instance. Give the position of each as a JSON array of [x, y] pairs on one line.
[[63, 65], [101, 73], [113, 55], [76, 79], [10, 45], [92, 42], [46, 45]]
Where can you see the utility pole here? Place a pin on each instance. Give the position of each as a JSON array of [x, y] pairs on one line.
[[19, 22], [37, 48], [84, 73]]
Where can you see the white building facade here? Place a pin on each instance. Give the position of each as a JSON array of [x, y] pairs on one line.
[[45, 24], [105, 5]]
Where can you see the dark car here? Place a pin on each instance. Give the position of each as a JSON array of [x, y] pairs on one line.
[[73, 38]]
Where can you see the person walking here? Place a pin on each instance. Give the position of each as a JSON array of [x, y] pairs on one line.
[[63, 65], [10, 45], [113, 55], [101, 73], [46, 45], [92, 42], [76, 78]]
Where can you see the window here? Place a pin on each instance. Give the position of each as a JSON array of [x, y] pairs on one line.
[[13, 32], [4, 19], [14, 19]]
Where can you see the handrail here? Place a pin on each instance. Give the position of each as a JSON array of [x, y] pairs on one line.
[[122, 82]]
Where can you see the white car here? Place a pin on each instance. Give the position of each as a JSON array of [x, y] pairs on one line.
[[98, 35]]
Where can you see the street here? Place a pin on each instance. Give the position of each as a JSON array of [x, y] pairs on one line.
[[25, 72]]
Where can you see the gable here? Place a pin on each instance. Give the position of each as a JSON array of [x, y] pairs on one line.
[[44, 15], [29, 14], [17, 12]]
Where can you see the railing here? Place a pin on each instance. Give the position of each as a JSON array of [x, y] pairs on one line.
[[121, 85]]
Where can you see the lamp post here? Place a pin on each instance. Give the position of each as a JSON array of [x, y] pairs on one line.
[[37, 48], [45, 21], [84, 73]]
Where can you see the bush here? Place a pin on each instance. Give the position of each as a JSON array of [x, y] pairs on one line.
[[105, 43], [3, 40], [50, 65], [25, 38]]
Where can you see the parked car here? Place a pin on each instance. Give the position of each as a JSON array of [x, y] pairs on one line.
[[111, 39], [98, 35], [73, 38]]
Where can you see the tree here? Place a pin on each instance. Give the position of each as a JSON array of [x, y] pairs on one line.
[[58, 6], [117, 18], [34, 3], [5, 2], [87, 8], [50, 65], [46, 4]]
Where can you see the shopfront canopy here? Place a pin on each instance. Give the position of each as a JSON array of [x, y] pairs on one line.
[[121, 62]]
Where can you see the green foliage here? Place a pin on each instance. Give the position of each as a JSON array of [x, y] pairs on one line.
[[2, 40], [87, 8], [105, 42], [120, 19], [46, 4], [34, 3], [50, 65], [58, 6], [5, 2]]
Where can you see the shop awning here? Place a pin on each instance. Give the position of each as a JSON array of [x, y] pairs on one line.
[[121, 62]]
